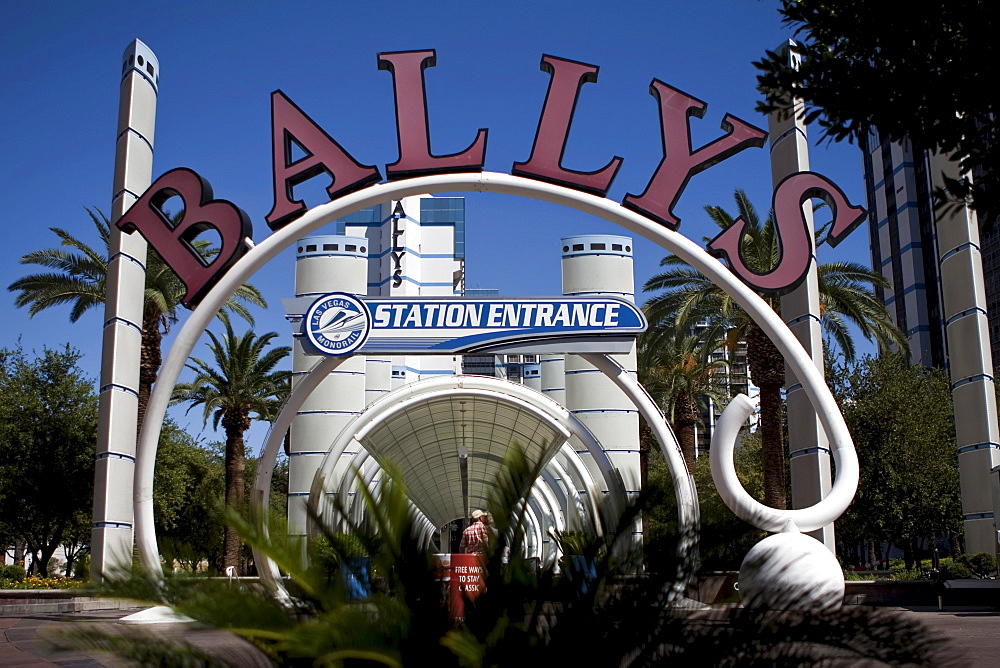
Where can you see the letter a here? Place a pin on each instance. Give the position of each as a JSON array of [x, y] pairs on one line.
[[545, 163], [413, 135], [322, 154], [679, 162], [794, 243], [175, 243]]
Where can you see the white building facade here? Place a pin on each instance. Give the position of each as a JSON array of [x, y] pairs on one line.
[[415, 247]]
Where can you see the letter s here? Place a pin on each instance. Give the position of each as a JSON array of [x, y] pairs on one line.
[[795, 245]]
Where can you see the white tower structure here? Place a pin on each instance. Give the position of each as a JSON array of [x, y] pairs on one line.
[[111, 535], [552, 377], [808, 446], [600, 265], [972, 383], [325, 264]]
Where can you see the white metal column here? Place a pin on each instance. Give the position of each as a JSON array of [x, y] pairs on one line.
[[111, 535], [970, 362], [808, 447]]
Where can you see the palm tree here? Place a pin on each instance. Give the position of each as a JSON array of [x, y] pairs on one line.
[[845, 295], [79, 278], [678, 371], [241, 381]]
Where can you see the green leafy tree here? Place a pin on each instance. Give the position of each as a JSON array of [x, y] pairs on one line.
[[678, 371], [902, 422], [188, 499], [914, 75], [725, 539], [48, 427], [687, 297], [189, 484], [78, 278], [239, 385], [76, 540]]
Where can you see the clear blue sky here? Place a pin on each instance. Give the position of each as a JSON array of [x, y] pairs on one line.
[[60, 70]]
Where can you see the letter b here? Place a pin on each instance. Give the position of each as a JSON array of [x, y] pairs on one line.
[[174, 241]]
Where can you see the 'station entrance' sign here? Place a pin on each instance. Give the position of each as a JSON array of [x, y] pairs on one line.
[[343, 324]]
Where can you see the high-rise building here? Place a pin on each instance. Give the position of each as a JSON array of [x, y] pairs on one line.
[[416, 247], [904, 247], [735, 378], [904, 244]]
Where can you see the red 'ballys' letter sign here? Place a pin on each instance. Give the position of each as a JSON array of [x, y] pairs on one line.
[[795, 242], [545, 163], [679, 162], [322, 154], [415, 157], [174, 242]]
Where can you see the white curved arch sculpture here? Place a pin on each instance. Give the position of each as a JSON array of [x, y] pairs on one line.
[[795, 356], [736, 497]]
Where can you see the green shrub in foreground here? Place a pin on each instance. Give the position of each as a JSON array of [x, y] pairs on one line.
[[521, 618]]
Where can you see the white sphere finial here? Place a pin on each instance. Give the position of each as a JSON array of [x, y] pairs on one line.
[[791, 571]]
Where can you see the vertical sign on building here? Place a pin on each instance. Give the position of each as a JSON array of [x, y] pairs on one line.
[[111, 538]]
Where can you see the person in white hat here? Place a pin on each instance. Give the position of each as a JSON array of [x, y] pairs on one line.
[[476, 536]]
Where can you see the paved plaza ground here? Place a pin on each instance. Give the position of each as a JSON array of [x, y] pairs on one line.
[[974, 632]]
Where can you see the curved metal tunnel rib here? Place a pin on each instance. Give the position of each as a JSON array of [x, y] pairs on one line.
[[429, 415], [554, 485], [425, 428]]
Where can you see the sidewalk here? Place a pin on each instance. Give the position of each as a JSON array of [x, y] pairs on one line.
[[975, 633], [24, 641]]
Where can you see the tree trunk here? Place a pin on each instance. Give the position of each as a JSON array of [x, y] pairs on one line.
[[235, 424], [686, 416], [956, 544], [43, 556], [909, 557], [646, 441], [31, 567], [150, 358], [773, 446], [767, 371]]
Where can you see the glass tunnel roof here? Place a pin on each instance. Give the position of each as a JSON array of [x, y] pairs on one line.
[[451, 447]]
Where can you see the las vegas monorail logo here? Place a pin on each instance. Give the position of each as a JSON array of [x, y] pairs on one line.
[[341, 324], [337, 324]]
